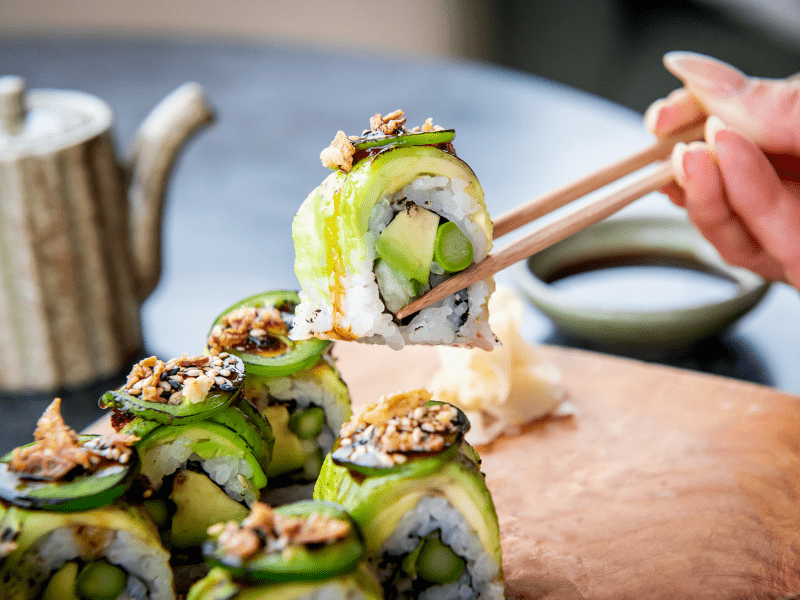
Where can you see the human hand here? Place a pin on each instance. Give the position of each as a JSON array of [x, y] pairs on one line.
[[741, 187]]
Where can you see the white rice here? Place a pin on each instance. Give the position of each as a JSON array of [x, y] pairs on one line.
[[333, 591], [147, 565], [364, 311], [481, 577], [165, 459], [307, 392]]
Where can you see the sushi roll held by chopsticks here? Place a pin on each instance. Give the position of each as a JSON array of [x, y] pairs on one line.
[[399, 215], [67, 532], [403, 471]]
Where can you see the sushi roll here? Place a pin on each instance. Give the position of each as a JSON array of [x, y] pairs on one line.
[[294, 384], [198, 439], [403, 471], [307, 550], [67, 531], [400, 214]]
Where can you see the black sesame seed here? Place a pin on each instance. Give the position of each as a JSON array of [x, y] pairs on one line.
[[174, 384], [174, 371], [227, 387], [164, 375]]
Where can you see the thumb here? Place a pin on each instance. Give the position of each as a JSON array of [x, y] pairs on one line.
[[767, 111]]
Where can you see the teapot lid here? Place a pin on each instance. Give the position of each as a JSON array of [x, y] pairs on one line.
[[39, 122]]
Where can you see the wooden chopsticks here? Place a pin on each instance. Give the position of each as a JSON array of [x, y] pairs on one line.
[[560, 229]]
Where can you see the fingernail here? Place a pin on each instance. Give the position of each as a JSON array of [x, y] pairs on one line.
[[678, 159], [713, 126], [651, 115], [703, 73]]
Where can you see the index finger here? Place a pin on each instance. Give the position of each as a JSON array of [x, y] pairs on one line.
[[673, 113]]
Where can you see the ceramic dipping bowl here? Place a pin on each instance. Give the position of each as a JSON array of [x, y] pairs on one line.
[[649, 286]]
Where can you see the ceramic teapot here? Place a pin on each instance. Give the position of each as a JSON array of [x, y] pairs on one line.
[[80, 232]]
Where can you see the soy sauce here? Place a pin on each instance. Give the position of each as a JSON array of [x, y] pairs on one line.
[[643, 283]]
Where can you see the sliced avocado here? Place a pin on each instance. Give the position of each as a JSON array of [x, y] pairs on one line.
[[288, 454], [396, 289], [207, 439], [62, 583], [407, 242], [192, 518]]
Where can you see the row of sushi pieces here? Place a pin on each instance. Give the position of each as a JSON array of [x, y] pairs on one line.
[[200, 442]]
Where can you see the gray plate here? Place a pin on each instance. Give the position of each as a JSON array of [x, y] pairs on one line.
[[654, 330]]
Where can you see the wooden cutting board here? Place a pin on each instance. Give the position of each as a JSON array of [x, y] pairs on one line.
[[664, 484]]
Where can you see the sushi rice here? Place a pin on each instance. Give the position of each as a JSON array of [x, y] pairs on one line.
[[481, 577], [224, 470]]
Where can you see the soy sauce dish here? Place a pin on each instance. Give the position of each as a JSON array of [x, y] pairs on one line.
[[649, 286]]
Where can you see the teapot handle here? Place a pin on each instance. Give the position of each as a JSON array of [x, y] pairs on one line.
[[154, 150]]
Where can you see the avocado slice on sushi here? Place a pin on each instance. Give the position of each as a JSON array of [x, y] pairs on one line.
[[194, 516]]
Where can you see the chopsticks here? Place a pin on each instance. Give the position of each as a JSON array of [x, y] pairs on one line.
[[562, 228]]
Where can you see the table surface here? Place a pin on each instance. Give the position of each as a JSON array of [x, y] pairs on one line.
[[276, 109]]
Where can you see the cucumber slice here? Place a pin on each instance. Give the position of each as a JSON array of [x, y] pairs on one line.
[[100, 580], [411, 138], [367, 462], [285, 356], [438, 563], [298, 562], [452, 249], [183, 413], [306, 424], [82, 492]]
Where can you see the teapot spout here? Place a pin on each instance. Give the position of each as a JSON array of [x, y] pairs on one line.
[[156, 145]]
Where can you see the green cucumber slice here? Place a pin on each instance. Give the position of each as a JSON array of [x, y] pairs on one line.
[[297, 563], [100, 580], [437, 563], [293, 355], [82, 492], [367, 463], [411, 138], [306, 424], [452, 249], [167, 414]]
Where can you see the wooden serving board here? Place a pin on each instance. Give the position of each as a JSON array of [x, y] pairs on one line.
[[665, 484]]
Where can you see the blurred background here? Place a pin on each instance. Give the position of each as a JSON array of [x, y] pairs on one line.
[[611, 48]]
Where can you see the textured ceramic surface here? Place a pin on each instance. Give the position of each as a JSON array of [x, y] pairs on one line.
[[80, 233], [656, 330]]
